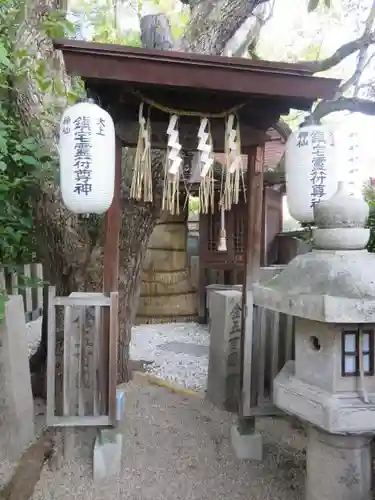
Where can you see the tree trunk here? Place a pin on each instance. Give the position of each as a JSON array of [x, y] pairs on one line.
[[136, 229]]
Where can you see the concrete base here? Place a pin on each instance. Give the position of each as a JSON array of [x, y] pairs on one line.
[[338, 467], [247, 446], [107, 454], [108, 445]]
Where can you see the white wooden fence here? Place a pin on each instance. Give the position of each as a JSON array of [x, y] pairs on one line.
[[25, 280]]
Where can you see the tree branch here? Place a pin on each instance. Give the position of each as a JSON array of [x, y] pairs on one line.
[[353, 104], [248, 34], [361, 61], [342, 53]]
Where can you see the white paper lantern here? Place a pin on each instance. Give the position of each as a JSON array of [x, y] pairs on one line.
[[311, 170], [87, 158]]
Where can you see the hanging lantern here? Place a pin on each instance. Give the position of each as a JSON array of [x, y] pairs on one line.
[[311, 170], [87, 158]]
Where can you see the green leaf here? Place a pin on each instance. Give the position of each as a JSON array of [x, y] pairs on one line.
[[4, 57], [3, 166], [45, 85], [312, 5], [29, 160]]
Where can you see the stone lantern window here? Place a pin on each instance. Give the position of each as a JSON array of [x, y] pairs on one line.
[[357, 352]]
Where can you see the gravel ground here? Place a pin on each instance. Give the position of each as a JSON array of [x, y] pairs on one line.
[[178, 448], [177, 352]]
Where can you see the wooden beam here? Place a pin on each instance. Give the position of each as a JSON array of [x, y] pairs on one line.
[[110, 277], [253, 245], [128, 133]]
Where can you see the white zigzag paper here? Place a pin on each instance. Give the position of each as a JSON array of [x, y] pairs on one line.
[[174, 146], [205, 148]]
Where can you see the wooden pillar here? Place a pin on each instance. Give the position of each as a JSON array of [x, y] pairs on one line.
[[108, 353], [202, 278], [112, 232], [264, 251], [253, 246]]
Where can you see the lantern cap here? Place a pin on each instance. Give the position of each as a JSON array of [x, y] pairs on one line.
[[335, 282]]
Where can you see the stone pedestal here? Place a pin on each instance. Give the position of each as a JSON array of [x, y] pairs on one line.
[[224, 362], [108, 445], [247, 446], [16, 401], [338, 467]]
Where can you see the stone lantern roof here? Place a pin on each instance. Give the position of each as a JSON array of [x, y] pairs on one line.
[[335, 283]]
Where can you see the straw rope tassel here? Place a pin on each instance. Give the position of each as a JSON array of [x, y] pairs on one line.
[[141, 187]]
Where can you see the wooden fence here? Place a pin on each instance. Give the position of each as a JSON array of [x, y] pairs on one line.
[[273, 346], [89, 358], [25, 280]]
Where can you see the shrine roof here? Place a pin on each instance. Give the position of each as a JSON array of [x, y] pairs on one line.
[[119, 63], [259, 92]]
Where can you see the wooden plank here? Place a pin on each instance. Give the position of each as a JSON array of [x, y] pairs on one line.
[[202, 276], [96, 359], [128, 131], [88, 360], [275, 339], [289, 330], [81, 361], [37, 291], [261, 326], [112, 375], [69, 380], [39, 276], [88, 300], [263, 256], [51, 354], [87, 421], [267, 409], [14, 283], [67, 357], [28, 297]]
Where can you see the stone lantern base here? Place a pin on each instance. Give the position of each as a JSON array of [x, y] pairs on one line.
[[338, 463], [338, 467], [335, 413]]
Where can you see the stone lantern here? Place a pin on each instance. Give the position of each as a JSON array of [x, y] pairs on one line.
[[331, 383]]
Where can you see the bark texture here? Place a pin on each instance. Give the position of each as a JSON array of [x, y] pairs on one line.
[[214, 24]]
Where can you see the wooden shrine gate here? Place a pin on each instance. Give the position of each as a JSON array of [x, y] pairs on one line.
[[89, 367]]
